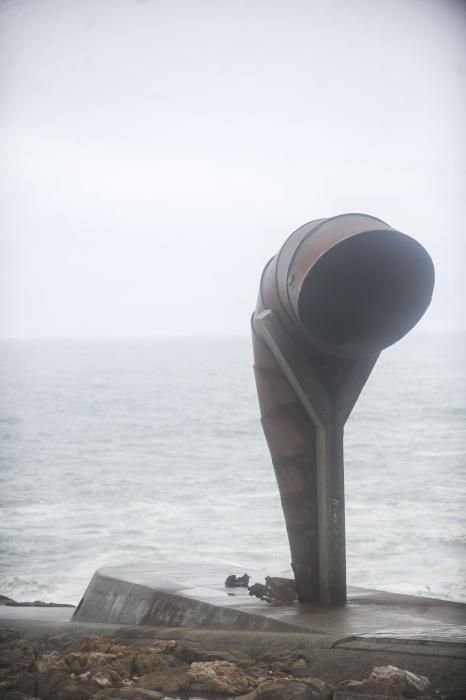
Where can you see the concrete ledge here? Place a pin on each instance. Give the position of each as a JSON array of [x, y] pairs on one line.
[[116, 601], [190, 595]]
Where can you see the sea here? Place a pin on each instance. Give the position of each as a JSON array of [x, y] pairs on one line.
[[151, 450]]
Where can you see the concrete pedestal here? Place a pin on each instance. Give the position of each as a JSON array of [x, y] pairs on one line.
[[194, 595]]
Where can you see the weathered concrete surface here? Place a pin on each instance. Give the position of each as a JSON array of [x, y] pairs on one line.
[[190, 595]]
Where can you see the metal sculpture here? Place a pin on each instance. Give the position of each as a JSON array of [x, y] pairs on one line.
[[338, 292]]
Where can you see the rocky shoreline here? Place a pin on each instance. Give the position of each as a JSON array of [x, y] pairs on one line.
[[57, 666], [9, 602]]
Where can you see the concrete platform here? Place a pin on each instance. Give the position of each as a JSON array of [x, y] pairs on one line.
[[194, 596]]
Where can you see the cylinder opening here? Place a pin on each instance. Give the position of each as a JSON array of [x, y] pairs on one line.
[[366, 292]]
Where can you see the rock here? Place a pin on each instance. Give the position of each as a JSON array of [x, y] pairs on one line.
[[267, 657], [259, 591], [16, 695], [110, 674], [164, 646], [46, 662], [126, 660], [34, 604], [277, 590], [280, 591], [318, 687], [217, 677], [189, 654], [283, 689], [147, 662], [388, 680], [175, 680], [132, 693], [292, 664], [17, 661], [50, 683], [76, 662], [94, 661], [4, 600], [290, 689], [249, 696], [237, 581], [106, 645], [101, 665], [102, 644], [74, 691], [102, 680], [23, 682]]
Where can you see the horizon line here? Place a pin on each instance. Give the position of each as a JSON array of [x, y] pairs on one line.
[[184, 336]]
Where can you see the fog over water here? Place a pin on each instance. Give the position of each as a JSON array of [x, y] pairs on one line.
[[154, 154]]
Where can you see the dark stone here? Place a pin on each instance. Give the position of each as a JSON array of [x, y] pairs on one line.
[[175, 680], [237, 581], [4, 600], [50, 683], [294, 664], [35, 604], [258, 590], [284, 690], [280, 591], [132, 693]]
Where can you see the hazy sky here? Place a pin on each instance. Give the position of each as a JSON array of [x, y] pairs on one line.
[[154, 154]]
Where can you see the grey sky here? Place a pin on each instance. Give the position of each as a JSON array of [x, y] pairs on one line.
[[155, 154]]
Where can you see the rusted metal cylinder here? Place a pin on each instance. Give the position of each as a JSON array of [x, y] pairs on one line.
[[339, 291]]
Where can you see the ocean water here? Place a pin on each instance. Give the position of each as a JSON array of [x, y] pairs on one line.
[[152, 450]]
